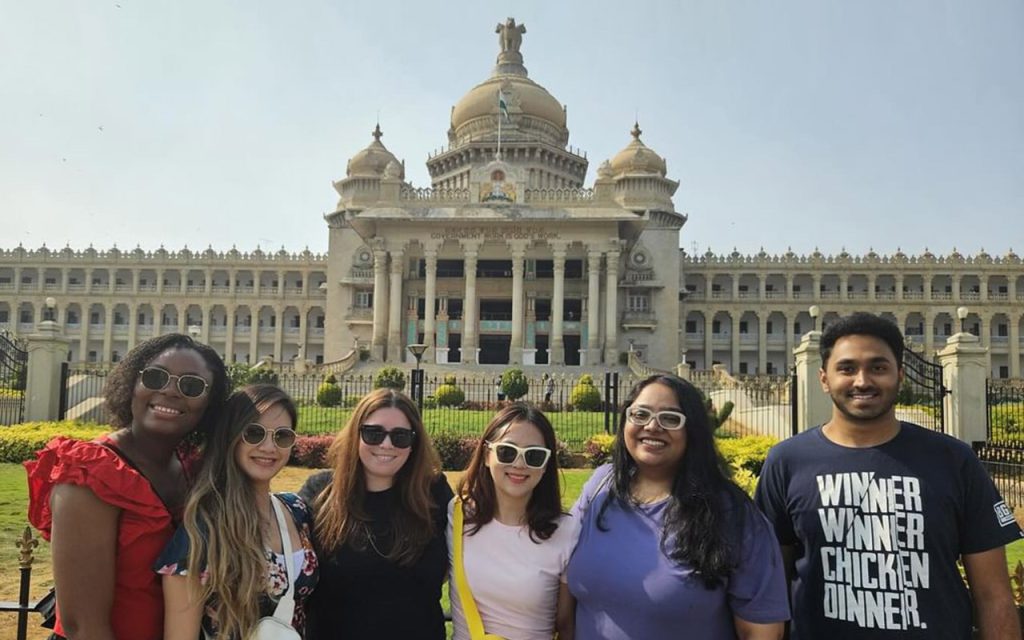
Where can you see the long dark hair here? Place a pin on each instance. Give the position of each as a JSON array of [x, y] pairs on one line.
[[477, 486], [341, 517], [706, 511], [120, 386]]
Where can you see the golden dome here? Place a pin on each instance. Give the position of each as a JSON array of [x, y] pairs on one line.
[[638, 158], [525, 97], [373, 160]]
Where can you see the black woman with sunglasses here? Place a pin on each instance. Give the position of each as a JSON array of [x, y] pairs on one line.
[[109, 506], [380, 527], [509, 559], [669, 546], [242, 553]]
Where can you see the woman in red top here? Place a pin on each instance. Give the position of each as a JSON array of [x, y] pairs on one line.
[[109, 506]]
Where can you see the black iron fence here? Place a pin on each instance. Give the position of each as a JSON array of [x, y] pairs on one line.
[[13, 378], [82, 394], [24, 606], [921, 396], [1004, 404], [462, 405], [1004, 462]]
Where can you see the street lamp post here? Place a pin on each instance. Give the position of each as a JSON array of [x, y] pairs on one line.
[[194, 330], [417, 350], [815, 311], [961, 312], [49, 307]]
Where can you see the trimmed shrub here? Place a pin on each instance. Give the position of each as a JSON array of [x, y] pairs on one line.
[[514, 384], [454, 450], [19, 442], [565, 457], [449, 394], [598, 449], [241, 374], [328, 394], [746, 453], [311, 451], [585, 396], [351, 401], [389, 378]]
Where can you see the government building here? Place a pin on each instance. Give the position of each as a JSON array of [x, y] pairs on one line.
[[509, 257]]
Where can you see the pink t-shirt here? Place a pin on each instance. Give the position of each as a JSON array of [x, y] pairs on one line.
[[514, 580]]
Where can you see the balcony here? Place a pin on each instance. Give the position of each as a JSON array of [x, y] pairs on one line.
[[941, 295], [359, 315], [639, 320], [360, 276]]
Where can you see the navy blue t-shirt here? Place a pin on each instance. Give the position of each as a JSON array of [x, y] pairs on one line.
[[878, 532]]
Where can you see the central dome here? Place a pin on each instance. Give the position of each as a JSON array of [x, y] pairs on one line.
[[532, 112]]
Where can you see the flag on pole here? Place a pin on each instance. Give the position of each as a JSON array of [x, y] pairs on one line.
[[503, 105]]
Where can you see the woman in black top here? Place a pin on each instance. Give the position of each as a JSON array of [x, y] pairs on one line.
[[380, 528]]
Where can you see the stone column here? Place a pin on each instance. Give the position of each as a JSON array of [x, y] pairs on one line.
[[762, 287], [1014, 349], [515, 355], [983, 288], [108, 334], [844, 284], [964, 370], [229, 333], [789, 341], [133, 323], [789, 287], [208, 282], [814, 407], [816, 293], [556, 348], [611, 316], [280, 284], [300, 361], [232, 278], [254, 334], [709, 347], [47, 348], [430, 258], [65, 276], [469, 304], [899, 287], [278, 334], [593, 307], [929, 331], [762, 342], [136, 274], [380, 305], [88, 280], [159, 281], [395, 307], [734, 341], [927, 286], [871, 286]]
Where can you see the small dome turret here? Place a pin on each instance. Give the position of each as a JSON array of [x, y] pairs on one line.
[[373, 160], [638, 158]]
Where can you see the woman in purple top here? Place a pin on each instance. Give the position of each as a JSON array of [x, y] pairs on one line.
[[669, 546]]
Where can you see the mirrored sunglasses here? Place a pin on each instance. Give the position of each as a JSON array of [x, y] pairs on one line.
[[670, 420], [255, 434], [374, 434], [189, 385], [534, 457]]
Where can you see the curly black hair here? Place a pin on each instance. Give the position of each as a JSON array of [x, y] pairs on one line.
[[120, 385]]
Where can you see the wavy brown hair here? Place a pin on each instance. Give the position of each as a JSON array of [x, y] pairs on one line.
[[341, 518], [223, 522], [476, 487]]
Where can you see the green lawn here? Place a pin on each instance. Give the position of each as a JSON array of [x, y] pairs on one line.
[[571, 427]]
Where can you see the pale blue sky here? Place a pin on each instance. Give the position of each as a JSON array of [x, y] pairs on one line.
[[825, 123]]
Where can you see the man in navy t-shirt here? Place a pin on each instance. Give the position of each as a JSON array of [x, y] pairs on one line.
[[873, 513]]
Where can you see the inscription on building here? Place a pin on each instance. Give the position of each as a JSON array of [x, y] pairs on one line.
[[516, 232]]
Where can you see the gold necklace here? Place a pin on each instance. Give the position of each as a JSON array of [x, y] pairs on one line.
[[369, 538]]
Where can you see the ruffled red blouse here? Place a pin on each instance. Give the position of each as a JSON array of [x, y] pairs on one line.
[[144, 528]]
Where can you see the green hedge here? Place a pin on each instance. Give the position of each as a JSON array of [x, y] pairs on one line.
[[19, 443]]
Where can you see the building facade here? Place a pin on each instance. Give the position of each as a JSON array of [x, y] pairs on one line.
[[508, 257]]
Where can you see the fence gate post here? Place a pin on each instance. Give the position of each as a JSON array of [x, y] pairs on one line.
[[964, 371], [814, 407], [47, 349]]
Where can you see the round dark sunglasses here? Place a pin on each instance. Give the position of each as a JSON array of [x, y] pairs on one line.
[[374, 434], [157, 379], [255, 434]]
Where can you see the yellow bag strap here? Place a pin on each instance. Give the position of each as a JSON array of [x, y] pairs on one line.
[[473, 621]]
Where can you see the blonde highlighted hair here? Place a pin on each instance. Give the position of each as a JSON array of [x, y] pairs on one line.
[[222, 521]]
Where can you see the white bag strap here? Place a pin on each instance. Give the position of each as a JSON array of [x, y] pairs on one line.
[[286, 605]]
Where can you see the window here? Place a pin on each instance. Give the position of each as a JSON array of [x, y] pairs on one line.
[[141, 318], [318, 322], [51, 281], [5, 316], [768, 326], [743, 368], [1002, 330], [716, 326], [796, 328], [364, 299], [94, 317], [638, 303], [744, 327], [691, 326]]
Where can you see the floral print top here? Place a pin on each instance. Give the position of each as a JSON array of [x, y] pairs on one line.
[[174, 562]]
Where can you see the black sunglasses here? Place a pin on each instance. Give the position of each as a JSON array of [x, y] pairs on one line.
[[255, 434], [374, 434], [156, 379]]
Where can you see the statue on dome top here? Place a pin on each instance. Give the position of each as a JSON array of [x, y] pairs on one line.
[[510, 35]]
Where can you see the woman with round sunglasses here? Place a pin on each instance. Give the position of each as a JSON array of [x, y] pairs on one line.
[[242, 552], [109, 506], [380, 526], [509, 559], [667, 541]]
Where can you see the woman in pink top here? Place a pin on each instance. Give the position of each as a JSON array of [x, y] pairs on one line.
[[516, 538]]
